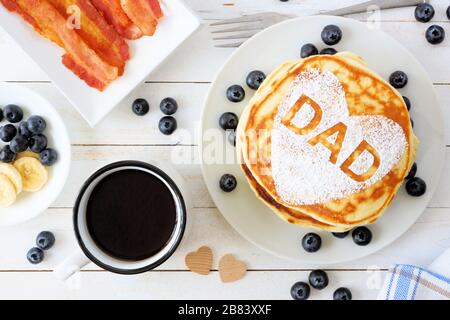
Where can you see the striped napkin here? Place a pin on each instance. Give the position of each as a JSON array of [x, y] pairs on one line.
[[407, 282]]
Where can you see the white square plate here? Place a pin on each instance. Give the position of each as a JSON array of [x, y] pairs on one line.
[[178, 23]]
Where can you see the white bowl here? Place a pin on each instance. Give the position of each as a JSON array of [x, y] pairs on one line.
[[29, 205]]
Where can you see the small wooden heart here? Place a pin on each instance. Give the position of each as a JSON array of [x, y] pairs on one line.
[[200, 261], [231, 269]]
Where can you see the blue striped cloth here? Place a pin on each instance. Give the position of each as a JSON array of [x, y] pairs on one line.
[[407, 282]]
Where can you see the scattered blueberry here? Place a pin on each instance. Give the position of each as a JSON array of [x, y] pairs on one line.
[[311, 242], [407, 102], [48, 157], [13, 113], [168, 106], [340, 235], [23, 130], [416, 187], [38, 143], [45, 240], [7, 132], [18, 144], [255, 79], [35, 255], [362, 236], [235, 93], [140, 107], [231, 136], [228, 182], [398, 79], [167, 125], [318, 279], [308, 50], [329, 51], [36, 124], [412, 172], [300, 291], [6, 155], [412, 122], [1, 114], [424, 12], [228, 121], [331, 34], [448, 12], [342, 294], [435, 34]]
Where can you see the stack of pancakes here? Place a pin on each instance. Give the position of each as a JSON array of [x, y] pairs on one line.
[[326, 143]]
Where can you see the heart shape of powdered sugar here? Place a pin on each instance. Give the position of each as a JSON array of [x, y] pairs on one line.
[[303, 174]]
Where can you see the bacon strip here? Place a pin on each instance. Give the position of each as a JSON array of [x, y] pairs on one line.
[[141, 13], [79, 58], [113, 13], [156, 8], [96, 32]]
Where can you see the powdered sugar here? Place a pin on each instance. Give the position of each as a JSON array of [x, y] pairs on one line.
[[303, 173]]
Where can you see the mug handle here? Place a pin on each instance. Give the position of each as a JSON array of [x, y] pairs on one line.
[[71, 265]]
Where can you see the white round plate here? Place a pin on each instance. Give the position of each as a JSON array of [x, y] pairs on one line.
[[29, 205], [267, 50]]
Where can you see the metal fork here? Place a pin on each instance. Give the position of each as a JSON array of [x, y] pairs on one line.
[[247, 26]]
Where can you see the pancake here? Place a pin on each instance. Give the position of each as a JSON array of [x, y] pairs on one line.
[[326, 137]]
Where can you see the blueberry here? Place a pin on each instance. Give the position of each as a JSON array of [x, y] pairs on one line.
[[329, 51], [19, 144], [167, 125], [412, 172], [407, 102], [36, 124], [308, 50], [311, 242], [1, 114], [362, 236], [35, 255], [318, 279], [8, 132], [231, 136], [23, 130], [340, 235], [255, 79], [13, 113], [435, 34], [228, 182], [342, 294], [38, 143], [6, 155], [331, 34], [424, 12], [412, 122], [416, 187], [45, 240], [448, 12], [48, 157], [398, 79], [300, 291], [140, 107], [235, 93], [228, 121], [168, 106]]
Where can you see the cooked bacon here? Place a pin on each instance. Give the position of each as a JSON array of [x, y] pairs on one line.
[[114, 14], [79, 58], [156, 8], [141, 13], [96, 32]]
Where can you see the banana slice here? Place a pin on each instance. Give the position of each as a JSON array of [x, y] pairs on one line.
[[7, 192], [27, 153], [13, 175], [34, 175]]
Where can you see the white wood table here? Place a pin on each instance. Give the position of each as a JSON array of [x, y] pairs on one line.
[[186, 76]]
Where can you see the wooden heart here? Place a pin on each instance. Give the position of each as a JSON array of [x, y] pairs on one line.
[[231, 269], [200, 261]]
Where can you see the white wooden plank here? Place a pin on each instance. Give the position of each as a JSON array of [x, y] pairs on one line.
[[207, 227], [180, 285]]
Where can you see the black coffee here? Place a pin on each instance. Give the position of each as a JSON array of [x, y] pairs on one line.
[[131, 214]]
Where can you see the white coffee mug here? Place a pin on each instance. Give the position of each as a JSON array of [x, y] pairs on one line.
[[89, 251]]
